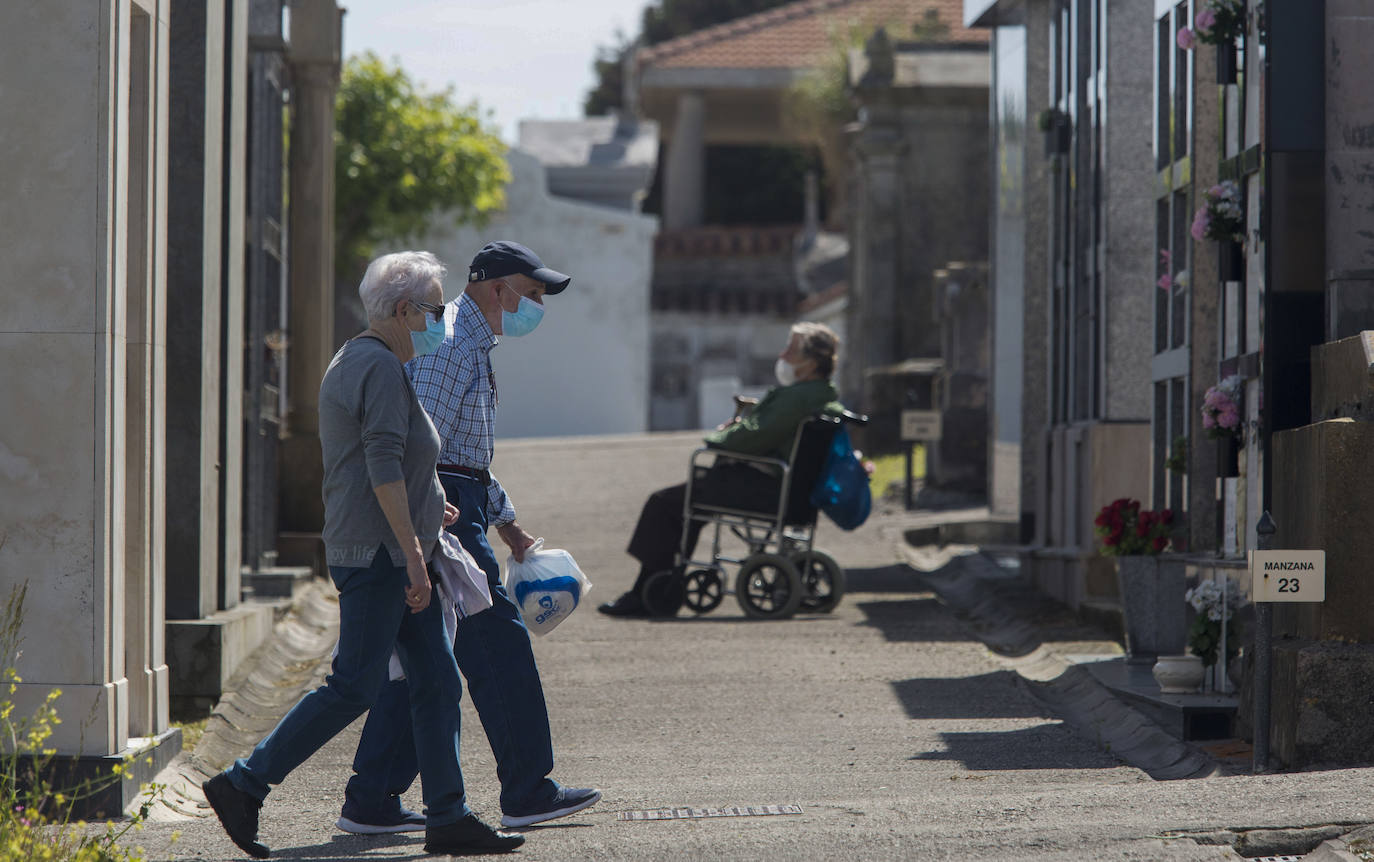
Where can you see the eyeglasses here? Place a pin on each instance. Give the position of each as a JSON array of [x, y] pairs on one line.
[[437, 311]]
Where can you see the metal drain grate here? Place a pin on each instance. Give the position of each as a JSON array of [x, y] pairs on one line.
[[1277, 859], [702, 813]]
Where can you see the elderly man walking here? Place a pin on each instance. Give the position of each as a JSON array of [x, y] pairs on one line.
[[505, 294]]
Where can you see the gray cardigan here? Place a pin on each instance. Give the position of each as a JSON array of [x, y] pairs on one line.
[[374, 431]]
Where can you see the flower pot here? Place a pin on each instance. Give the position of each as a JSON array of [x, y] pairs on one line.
[[1228, 456], [1226, 63], [1178, 674], [1230, 261], [1152, 606]]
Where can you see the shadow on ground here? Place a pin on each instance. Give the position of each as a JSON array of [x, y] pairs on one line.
[[922, 620], [1046, 746], [1002, 609], [346, 848], [897, 578], [989, 695]]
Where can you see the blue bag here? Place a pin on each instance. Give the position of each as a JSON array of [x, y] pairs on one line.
[[842, 490]]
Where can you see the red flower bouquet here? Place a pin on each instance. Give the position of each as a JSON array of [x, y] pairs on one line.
[[1125, 528]]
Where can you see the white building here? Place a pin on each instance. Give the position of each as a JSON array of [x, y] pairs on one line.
[[586, 369]]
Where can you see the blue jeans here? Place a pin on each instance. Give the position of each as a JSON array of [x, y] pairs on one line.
[[372, 618], [494, 653]]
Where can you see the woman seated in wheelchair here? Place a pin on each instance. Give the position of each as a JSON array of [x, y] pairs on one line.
[[804, 388]]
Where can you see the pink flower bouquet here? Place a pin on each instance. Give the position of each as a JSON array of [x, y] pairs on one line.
[[1218, 22], [1220, 217], [1221, 408]]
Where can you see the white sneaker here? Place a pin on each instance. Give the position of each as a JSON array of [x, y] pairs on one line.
[[568, 801]]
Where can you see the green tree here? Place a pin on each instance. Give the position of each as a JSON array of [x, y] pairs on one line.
[[609, 70], [401, 155]]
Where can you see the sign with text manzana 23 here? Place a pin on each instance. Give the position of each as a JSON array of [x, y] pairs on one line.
[[921, 426], [1288, 576]]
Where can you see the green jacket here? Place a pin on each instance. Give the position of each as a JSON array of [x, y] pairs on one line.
[[771, 426]]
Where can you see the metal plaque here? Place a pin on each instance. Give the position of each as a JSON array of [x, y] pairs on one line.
[[702, 813], [921, 425], [1288, 576]]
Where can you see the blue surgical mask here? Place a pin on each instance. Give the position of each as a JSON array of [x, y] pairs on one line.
[[429, 340], [523, 320]]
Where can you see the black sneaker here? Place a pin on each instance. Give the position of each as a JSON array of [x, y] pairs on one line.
[[237, 812], [628, 605], [469, 836]]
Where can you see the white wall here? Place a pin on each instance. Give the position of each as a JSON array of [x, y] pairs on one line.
[[585, 370]]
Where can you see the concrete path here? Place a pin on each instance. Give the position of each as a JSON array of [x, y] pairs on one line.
[[889, 723]]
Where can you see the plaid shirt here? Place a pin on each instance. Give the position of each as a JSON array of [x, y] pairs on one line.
[[456, 386]]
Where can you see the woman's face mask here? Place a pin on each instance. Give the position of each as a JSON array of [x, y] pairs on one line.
[[428, 340], [783, 370]]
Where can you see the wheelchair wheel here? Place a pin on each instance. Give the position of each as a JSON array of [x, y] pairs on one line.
[[703, 590], [822, 581], [663, 593], [768, 587]]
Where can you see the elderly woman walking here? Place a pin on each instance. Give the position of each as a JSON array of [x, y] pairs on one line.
[[384, 508]]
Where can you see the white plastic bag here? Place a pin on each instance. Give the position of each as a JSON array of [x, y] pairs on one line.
[[547, 587]]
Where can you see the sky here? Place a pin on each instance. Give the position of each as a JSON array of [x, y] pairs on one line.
[[518, 59]]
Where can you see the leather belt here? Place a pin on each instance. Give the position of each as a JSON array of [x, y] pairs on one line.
[[483, 476]]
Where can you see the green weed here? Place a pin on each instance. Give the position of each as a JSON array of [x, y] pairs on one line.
[[36, 815]]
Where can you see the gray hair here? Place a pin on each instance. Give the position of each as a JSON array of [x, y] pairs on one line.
[[403, 275], [818, 342]]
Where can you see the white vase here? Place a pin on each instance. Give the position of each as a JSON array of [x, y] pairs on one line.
[[1178, 674]]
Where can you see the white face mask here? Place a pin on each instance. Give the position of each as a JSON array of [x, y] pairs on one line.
[[786, 374]]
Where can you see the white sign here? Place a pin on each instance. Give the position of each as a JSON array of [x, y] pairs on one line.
[[922, 425], [1288, 576]]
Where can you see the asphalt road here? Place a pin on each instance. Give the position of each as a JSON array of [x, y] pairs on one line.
[[896, 733]]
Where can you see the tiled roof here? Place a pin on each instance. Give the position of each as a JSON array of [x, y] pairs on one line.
[[796, 35]]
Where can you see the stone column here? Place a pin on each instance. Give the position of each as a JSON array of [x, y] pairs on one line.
[[1202, 298], [684, 184], [1035, 395], [232, 195], [194, 310], [314, 59], [63, 456], [146, 375], [1349, 186], [873, 326]]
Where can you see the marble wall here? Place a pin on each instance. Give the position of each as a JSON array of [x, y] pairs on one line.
[[1128, 210], [82, 338]]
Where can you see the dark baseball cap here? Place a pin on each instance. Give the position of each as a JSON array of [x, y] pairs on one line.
[[498, 259]]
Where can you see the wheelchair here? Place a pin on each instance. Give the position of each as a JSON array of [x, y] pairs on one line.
[[783, 572]]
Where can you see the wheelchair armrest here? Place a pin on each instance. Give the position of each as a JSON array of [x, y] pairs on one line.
[[738, 456], [853, 418]]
